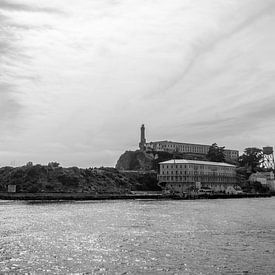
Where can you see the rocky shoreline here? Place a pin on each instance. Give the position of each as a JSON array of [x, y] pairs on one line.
[[86, 196]]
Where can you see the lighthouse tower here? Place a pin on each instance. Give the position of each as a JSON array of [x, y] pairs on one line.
[[142, 138]]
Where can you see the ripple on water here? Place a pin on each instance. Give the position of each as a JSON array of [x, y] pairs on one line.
[[166, 237]]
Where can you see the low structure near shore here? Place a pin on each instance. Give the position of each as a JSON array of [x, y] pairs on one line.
[[265, 178], [48, 197]]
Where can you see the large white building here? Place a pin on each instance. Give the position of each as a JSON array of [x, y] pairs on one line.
[[181, 175]]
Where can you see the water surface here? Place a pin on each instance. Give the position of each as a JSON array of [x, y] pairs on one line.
[[232, 236]]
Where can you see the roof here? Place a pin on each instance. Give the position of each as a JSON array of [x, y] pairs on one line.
[[189, 161]]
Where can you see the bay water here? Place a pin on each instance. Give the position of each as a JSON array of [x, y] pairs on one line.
[[230, 236]]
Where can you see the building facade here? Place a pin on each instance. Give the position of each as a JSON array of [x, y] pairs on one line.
[[202, 149], [182, 175]]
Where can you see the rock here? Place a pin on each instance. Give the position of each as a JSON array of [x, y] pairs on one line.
[[135, 160]]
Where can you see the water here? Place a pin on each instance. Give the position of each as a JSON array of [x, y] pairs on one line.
[[135, 237]]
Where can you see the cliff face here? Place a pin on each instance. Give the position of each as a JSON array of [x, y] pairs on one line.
[[146, 161], [135, 160]]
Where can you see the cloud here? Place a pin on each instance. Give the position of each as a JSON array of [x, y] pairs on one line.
[[15, 6], [8, 105], [241, 119], [231, 25], [12, 60], [10, 111], [79, 86], [228, 93]]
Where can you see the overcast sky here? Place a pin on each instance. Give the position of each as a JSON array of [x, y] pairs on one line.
[[78, 78]]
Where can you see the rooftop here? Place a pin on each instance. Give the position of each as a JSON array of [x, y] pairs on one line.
[[189, 161]]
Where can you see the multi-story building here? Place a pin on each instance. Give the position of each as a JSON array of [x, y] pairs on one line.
[[202, 149], [181, 147], [181, 175]]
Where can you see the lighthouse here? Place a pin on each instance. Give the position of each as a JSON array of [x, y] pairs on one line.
[[142, 138]]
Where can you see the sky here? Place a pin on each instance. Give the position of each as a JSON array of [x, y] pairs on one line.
[[78, 78]]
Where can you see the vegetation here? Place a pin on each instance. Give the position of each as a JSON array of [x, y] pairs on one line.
[[251, 159], [250, 162], [54, 178], [216, 153], [254, 187]]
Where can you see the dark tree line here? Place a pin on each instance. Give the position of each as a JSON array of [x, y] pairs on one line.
[[251, 160]]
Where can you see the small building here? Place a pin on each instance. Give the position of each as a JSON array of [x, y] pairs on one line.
[[11, 188], [265, 178], [181, 175]]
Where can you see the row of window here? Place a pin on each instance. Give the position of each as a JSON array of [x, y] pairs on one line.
[[196, 166], [166, 172], [192, 148], [231, 153], [184, 148], [181, 147], [193, 179], [203, 149]]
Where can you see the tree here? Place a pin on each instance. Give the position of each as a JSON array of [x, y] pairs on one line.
[[29, 164], [216, 153], [251, 159], [53, 164]]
